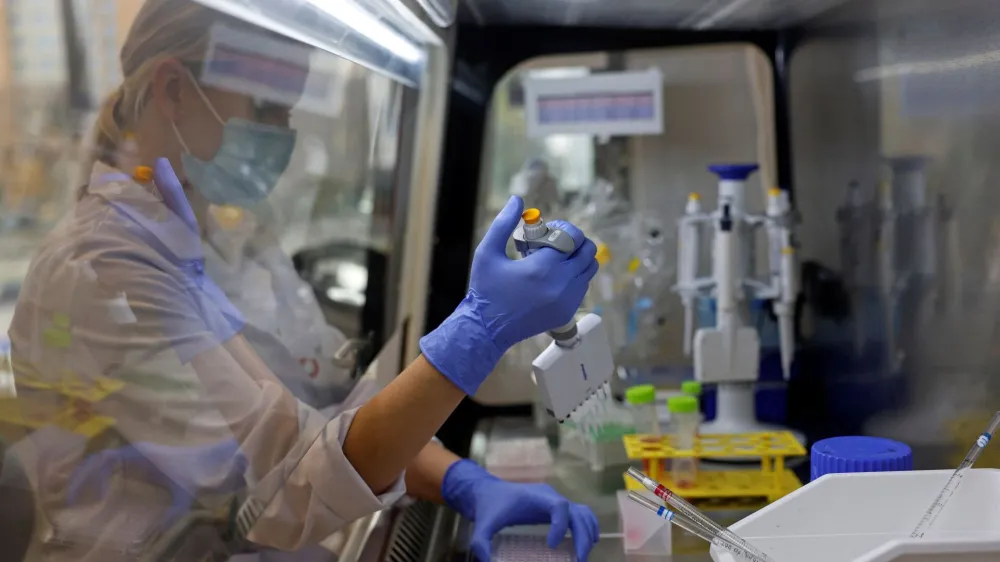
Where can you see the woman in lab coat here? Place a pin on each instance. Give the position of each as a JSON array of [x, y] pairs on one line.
[[120, 316]]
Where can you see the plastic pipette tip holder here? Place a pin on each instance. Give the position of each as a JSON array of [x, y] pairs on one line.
[[573, 379], [528, 548]]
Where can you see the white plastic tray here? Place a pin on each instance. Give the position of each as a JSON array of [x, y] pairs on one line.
[[936, 550], [868, 518]]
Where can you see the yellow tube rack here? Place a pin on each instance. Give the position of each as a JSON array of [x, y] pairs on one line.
[[772, 481]]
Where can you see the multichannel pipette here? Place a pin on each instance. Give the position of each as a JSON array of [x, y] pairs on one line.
[[572, 374], [691, 512], [690, 526], [955, 480]]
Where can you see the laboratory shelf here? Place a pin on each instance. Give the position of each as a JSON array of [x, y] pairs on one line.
[[772, 482]]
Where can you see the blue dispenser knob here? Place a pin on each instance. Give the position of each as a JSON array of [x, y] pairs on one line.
[[737, 172]]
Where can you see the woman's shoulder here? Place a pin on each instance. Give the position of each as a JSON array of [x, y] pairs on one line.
[[92, 240]]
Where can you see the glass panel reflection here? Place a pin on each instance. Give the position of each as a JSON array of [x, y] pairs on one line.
[[191, 276]]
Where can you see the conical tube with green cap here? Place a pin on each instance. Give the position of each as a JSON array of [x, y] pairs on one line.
[[684, 421], [642, 402]]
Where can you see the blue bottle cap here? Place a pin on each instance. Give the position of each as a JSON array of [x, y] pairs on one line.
[[840, 455], [737, 172]]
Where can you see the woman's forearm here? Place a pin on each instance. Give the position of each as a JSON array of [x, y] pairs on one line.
[[426, 472], [394, 426]]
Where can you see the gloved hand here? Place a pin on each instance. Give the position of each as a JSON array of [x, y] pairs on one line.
[[494, 504], [184, 471], [176, 236], [509, 300]]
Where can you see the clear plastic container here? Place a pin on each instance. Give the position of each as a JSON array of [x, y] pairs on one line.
[[642, 403], [643, 534], [684, 421], [522, 459]]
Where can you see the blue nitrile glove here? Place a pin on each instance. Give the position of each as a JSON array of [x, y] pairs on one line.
[[493, 504], [176, 236], [509, 300], [184, 471]]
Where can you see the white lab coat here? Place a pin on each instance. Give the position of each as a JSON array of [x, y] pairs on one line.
[[284, 321], [105, 301]]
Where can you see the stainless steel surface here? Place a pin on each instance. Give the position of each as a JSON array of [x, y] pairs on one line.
[[419, 533], [920, 82], [706, 14], [356, 537], [694, 14], [577, 482]]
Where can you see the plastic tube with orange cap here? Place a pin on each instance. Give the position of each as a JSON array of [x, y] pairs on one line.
[[143, 174]]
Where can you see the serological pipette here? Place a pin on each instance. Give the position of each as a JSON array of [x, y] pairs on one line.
[[955, 480], [690, 526], [691, 512]]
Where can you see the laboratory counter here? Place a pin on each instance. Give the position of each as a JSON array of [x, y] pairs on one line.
[[573, 478], [425, 533]]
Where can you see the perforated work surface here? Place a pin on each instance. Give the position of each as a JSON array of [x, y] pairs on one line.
[[522, 548]]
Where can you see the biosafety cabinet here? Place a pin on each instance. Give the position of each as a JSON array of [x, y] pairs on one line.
[[876, 120], [873, 117]]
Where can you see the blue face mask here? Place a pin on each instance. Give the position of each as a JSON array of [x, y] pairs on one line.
[[247, 166]]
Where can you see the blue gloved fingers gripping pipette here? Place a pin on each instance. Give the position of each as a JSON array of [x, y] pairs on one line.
[[577, 364], [508, 302]]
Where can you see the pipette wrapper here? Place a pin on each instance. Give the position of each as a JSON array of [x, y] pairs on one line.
[[694, 528], [687, 510]]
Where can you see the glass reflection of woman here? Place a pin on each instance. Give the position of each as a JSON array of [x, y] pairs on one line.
[[122, 296]]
